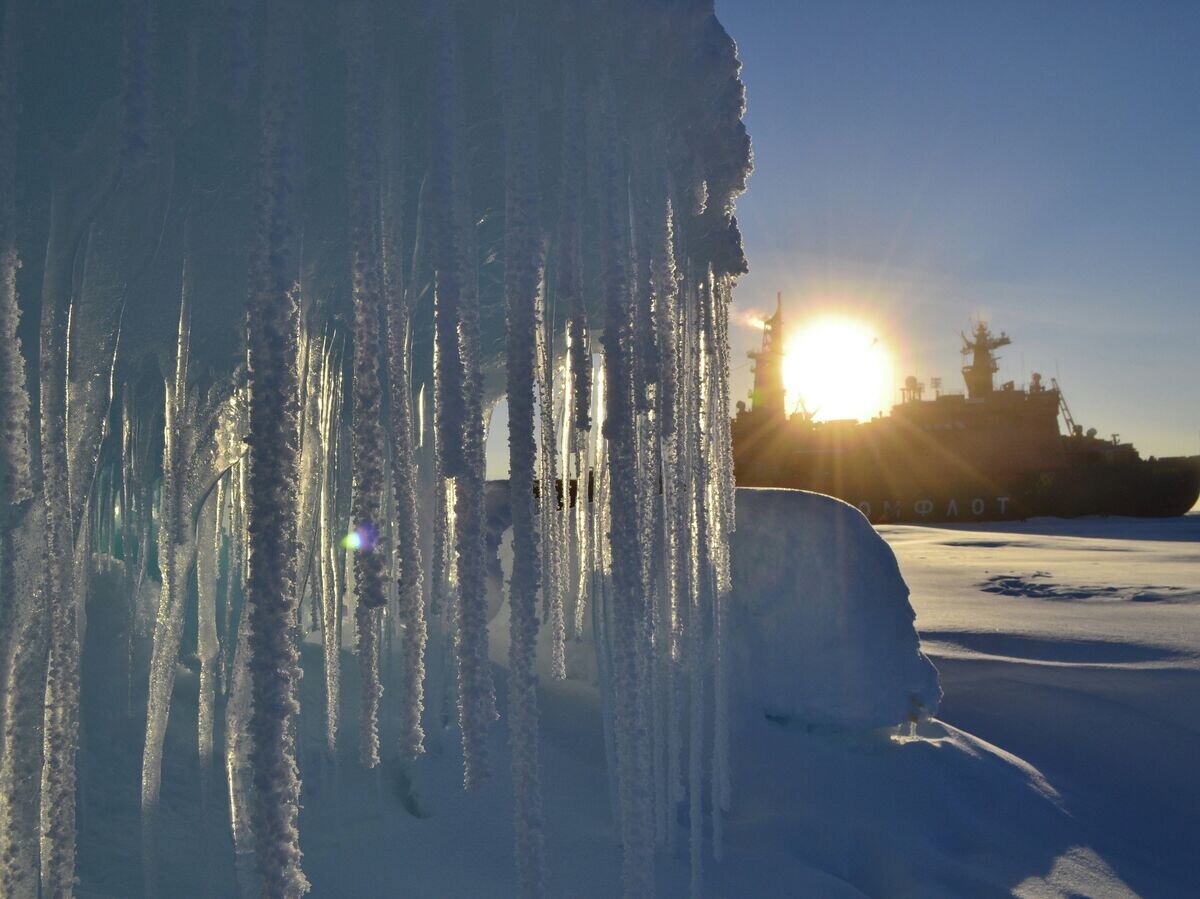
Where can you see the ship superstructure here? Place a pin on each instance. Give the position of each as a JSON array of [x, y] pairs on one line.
[[768, 396], [989, 453]]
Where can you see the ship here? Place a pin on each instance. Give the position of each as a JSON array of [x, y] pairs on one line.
[[987, 454]]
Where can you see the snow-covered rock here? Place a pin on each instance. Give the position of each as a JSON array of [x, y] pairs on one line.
[[821, 626]]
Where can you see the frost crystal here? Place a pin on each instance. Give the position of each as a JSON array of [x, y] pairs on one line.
[[381, 219]]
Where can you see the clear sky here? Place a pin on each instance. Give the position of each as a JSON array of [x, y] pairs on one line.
[[1038, 164]]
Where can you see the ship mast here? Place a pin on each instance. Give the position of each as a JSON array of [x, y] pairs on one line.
[[768, 394], [978, 374]]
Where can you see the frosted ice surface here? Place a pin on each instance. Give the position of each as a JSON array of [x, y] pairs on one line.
[[822, 628]]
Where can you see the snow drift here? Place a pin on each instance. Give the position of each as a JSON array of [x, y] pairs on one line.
[[822, 627]]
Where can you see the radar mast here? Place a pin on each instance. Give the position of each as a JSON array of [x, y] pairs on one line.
[[978, 374]]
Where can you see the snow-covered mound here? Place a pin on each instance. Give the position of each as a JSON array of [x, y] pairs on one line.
[[822, 626]]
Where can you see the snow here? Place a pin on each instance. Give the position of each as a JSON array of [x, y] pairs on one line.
[[1095, 681], [976, 803], [822, 628], [1060, 763]]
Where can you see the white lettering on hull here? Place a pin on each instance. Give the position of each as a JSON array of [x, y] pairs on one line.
[[923, 508]]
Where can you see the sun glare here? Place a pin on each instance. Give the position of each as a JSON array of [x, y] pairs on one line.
[[835, 367]]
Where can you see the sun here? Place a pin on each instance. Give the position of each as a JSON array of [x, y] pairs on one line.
[[835, 367]]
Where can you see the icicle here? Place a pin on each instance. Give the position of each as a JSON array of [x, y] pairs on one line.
[[235, 575], [566, 512], [273, 442], [208, 554], [624, 528], [441, 674], [477, 699], [669, 324], [441, 539], [586, 504], [237, 752], [25, 669], [645, 372], [409, 586], [448, 254], [311, 358], [522, 279], [15, 465], [459, 416], [598, 566], [444, 598], [694, 626], [132, 560], [367, 451], [569, 293], [695, 651], [548, 479], [176, 544], [329, 406], [22, 560], [722, 466], [64, 586]]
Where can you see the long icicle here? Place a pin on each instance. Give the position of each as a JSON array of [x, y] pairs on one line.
[[274, 443], [645, 381], [723, 514], [548, 479], [522, 280], [208, 555], [459, 414], [175, 547], [330, 406], [367, 452], [694, 626], [238, 707], [667, 324], [623, 534], [569, 297], [16, 469], [409, 582], [22, 557]]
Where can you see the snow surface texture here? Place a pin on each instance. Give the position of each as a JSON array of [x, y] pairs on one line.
[[822, 628], [1071, 668]]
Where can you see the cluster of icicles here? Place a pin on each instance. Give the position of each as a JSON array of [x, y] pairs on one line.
[[620, 530]]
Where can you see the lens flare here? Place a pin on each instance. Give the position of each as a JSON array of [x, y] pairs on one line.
[[361, 539]]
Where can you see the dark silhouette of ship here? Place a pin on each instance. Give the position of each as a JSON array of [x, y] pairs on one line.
[[987, 455]]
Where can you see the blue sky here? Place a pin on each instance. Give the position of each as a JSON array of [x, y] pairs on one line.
[[1036, 163]]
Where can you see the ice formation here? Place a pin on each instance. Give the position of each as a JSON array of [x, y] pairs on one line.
[[270, 263]]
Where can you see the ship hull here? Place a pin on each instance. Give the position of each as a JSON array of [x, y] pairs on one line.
[[1142, 490], [932, 487]]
